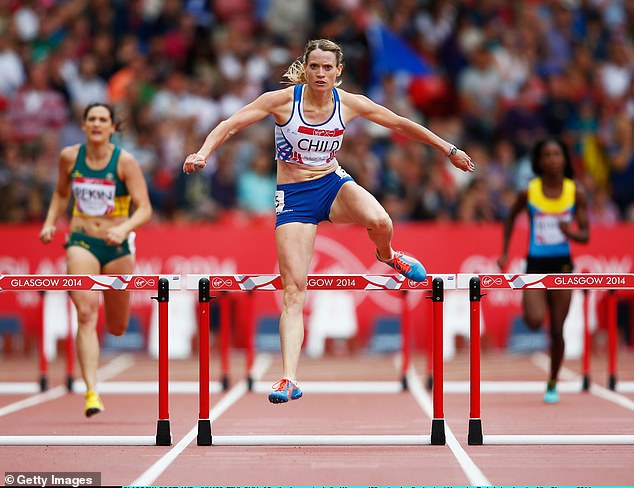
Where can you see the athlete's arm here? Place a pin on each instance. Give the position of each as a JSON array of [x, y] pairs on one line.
[[131, 174], [266, 104], [61, 195], [582, 234], [509, 222], [361, 106]]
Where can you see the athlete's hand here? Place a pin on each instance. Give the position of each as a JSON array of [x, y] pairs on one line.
[[502, 261], [115, 236], [565, 228], [193, 162], [461, 160], [47, 233]]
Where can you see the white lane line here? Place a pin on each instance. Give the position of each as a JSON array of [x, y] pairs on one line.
[[31, 401], [261, 364], [542, 361], [113, 368], [470, 469]]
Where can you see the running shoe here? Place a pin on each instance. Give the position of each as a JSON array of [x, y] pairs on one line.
[[406, 265], [551, 395], [285, 390], [94, 404]]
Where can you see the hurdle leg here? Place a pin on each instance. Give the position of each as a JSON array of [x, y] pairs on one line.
[[225, 338], [586, 344], [70, 349], [250, 338], [438, 421], [163, 431], [612, 340], [204, 424], [475, 422], [406, 336], [43, 360]]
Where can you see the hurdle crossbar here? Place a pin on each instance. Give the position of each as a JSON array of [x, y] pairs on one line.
[[206, 284], [321, 440], [161, 283], [531, 281], [558, 439], [77, 440]]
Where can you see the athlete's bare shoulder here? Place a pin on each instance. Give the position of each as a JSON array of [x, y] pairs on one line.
[[354, 104], [275, 98], [277, 102], [68, 154]]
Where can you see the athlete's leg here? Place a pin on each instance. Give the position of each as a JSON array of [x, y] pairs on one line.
[[295, 242], [355, 205], [534, 308], [82, 261], [558, 306], [117, 303]]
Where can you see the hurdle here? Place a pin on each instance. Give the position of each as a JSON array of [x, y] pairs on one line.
[[162, 284], [224, 334], [565, 281], [205, 284]]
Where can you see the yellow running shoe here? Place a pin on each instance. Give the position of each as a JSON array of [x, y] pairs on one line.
[[94, 404]]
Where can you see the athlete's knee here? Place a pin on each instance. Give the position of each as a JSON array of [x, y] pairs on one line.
[[294, 294], [87, 315], [379, 220], [117, 327], [533, 320]]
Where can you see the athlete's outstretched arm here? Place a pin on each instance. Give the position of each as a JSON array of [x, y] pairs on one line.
[[359, 105], [265, 104]]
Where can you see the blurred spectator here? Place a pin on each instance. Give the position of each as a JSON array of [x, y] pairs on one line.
[[256, 186], [36, 107], [501, 74], [10, 65]]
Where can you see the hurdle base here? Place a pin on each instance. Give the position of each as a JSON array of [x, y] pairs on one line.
[[43, 383], [249, 383], [404, 383], [163, 433], [69, 383], [585, 385], [225, 382], [475, 432], [430, 382], [438, 432], [612, 382], [204, 432]]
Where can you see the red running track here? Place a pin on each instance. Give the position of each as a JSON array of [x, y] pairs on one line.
[[456, 463]]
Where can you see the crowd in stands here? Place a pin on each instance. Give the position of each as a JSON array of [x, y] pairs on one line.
[[501, 75]]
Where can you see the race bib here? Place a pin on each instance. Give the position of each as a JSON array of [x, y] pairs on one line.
[[94, 196], [547, 230], [279, 201]]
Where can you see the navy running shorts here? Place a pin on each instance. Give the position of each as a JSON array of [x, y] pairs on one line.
[[308, 201]]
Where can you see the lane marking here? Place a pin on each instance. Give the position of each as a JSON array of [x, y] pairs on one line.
[[113, 368], [542, 361], [261, 364], [474, 474]]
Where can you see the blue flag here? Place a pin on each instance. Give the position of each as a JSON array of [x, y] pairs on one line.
[[391, 55]]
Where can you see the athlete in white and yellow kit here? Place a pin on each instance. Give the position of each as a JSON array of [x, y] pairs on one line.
[[311, 117], [553, 200], [104, 181]]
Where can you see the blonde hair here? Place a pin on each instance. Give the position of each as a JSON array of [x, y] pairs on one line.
[[296, 72]]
